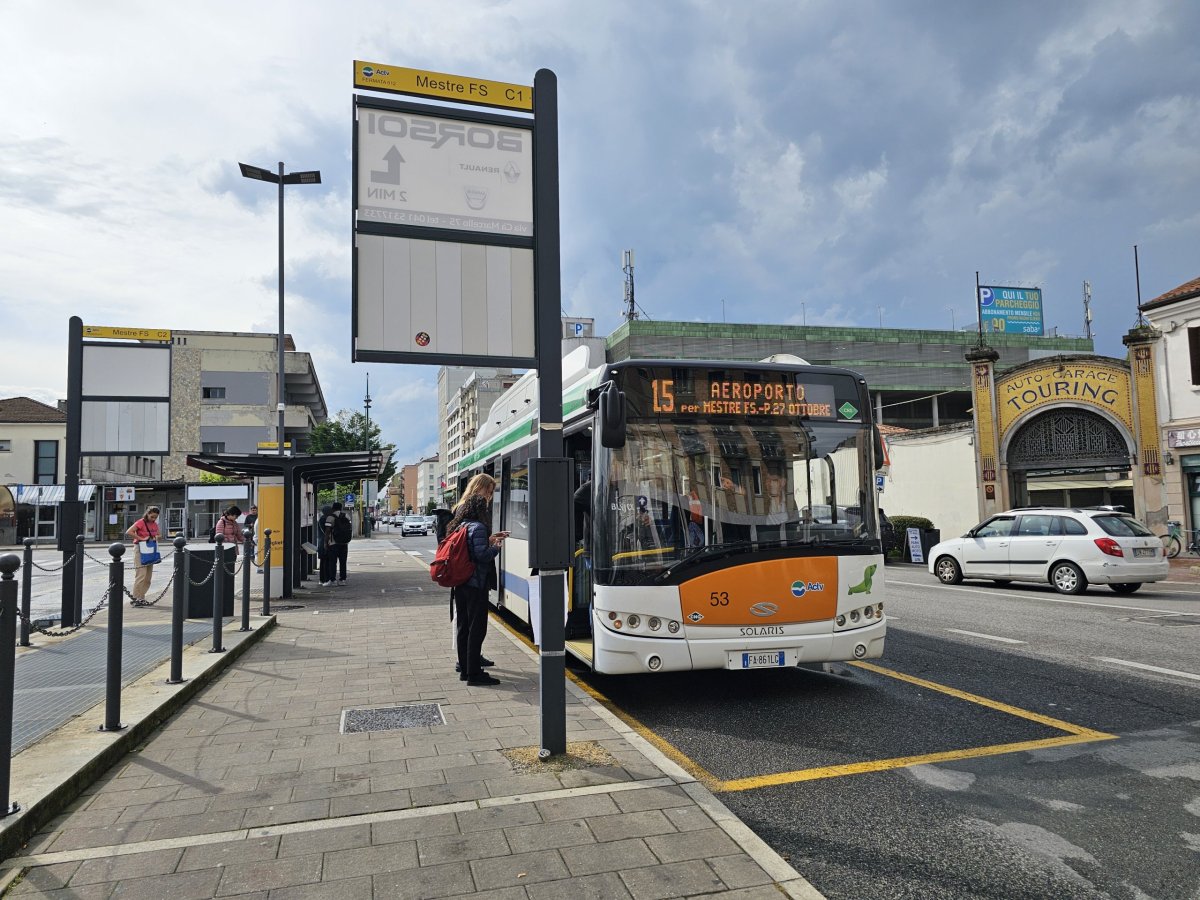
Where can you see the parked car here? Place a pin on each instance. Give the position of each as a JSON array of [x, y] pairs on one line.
[[414, 525], [1068, 548]]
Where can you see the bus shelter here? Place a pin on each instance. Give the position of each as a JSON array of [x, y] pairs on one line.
[[282, 480]]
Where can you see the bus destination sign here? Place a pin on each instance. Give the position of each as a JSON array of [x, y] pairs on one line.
[[703, 396]]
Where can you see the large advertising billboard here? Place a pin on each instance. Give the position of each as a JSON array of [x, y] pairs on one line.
[[1011, 310]]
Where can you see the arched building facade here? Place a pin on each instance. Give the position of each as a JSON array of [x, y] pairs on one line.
[[1074, 430]]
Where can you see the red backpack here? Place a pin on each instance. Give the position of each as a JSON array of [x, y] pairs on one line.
[[452, 566]]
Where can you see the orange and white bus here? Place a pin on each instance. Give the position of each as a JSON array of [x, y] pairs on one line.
[[728, 522]]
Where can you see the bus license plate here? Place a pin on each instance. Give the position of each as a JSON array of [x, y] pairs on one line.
[[1143, 551], [762, 660]]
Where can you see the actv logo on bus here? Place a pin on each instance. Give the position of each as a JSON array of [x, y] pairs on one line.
[[800, 588]]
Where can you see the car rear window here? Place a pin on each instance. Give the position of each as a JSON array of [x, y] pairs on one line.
[[1122, 526]]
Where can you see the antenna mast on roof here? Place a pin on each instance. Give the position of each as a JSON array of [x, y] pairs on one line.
[[627, 267], [1087, 309]]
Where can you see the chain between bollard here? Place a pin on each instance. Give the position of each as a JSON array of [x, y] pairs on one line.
[[50, 570], [207, 578], [64, 632], [134, 601]]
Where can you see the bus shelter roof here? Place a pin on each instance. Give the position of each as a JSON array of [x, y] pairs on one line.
[[311, 467]]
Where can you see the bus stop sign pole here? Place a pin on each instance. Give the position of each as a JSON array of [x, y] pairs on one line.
[[548, 344]]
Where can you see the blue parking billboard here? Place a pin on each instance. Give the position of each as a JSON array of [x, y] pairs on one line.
[[1009, 310]]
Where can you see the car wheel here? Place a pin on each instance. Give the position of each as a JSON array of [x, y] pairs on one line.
[[948, 570], [1067, 578], [1127, 587], [1002, 582]]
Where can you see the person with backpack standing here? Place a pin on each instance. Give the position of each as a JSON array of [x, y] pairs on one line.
[[474, 513], [325, 555], [337, 543]]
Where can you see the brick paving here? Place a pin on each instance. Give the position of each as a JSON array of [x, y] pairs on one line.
[[251, 789]]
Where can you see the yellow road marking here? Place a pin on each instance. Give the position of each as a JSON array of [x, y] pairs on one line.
[[901, 762], [984, 701], [1075, 734]]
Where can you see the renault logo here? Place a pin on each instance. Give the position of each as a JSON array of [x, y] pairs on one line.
[[764, 609]]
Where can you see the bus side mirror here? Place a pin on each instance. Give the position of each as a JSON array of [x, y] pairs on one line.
[[881, 454], [612, 417]]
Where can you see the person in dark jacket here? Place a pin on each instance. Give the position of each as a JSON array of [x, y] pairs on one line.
[[474, 512]]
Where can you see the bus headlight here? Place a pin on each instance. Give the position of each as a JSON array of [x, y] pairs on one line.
[[655, 623], [673, 627], [633, 620]]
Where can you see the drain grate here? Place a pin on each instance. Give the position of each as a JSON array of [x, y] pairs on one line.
[[1175, 619], [389, 718]]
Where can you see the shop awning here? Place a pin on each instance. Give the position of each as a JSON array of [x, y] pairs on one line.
[[49, 494]]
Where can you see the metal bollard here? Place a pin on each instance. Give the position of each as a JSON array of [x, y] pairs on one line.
[[266, 572], [26, 591], [79, 560], [116, 614], [247, 561], [178, 606], [218, 593], [9, 563]]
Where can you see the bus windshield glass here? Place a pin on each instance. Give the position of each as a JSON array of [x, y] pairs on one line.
[[776, 460]]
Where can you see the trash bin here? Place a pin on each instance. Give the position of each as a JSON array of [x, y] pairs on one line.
[[200, 597], [930, 538]]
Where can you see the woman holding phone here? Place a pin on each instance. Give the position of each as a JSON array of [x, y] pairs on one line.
[[474, 512]]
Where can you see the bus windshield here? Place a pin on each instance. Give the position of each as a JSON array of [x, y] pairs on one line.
[[690, 490]]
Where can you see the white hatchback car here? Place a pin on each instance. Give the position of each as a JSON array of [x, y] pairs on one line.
[[1069, 548]]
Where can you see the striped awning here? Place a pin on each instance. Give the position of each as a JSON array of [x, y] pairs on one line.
[[49, 494]]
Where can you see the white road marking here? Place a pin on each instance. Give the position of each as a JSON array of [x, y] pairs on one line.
[[986, 637], [1136, 665], [1026, 596]]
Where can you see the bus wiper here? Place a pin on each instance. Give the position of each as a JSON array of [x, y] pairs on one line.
[[719, 551]]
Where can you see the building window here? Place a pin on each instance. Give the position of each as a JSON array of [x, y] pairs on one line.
[[213, 447], [213, 393], [45, 462], [1194, 349], [5, 446]]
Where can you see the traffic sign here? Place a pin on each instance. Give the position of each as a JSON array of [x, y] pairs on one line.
[[419, 83], [879, 482], [350, 498]]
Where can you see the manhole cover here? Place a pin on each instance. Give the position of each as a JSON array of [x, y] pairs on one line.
[[1169, 619], [388, 718]]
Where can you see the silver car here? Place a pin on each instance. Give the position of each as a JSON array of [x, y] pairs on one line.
[[1068, 548]]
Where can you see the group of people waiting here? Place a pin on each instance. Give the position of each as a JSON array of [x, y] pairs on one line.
[[144, 532]]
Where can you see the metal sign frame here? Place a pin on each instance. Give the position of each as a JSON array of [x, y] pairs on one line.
[[434, 234], [160, 400]]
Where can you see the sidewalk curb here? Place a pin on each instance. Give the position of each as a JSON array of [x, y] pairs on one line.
[[785, 875], [42, 774]]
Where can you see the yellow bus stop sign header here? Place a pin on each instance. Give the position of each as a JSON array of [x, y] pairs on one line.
[[396, 80], [127, 334]]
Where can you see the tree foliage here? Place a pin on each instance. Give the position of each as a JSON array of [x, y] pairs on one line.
[[348, 432]]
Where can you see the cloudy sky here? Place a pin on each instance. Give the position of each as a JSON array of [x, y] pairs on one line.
[[847, 155]]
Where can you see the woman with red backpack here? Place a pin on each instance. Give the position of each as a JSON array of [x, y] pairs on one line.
[[474, 513]]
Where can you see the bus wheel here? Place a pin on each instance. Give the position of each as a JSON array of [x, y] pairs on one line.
[[948, 571], [1068, 579]]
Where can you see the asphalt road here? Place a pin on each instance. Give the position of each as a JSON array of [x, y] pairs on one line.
[[1068, 758]]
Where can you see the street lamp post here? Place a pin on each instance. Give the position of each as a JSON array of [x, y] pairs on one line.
[[313, 177]]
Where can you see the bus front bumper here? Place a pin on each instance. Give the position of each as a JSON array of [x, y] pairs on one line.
[[620, 654]]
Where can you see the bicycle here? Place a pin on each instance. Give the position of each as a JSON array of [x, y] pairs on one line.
[[1173, 540]]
